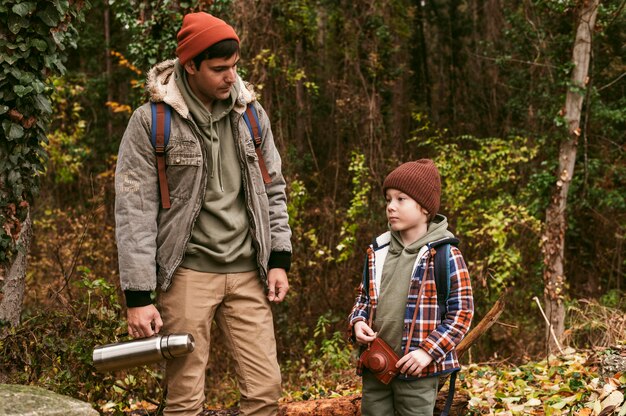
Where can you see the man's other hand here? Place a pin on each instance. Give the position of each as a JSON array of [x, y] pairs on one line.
[[278, 285]]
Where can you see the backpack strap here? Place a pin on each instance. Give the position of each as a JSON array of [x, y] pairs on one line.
[[442, 281], [160, 137], [442, 272], [252, 120], [451, 388]]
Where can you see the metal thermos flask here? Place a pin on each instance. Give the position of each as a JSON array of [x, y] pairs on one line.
[[141, 351]]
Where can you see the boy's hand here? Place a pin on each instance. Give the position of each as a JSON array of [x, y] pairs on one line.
[[363, 333], [414, 362]]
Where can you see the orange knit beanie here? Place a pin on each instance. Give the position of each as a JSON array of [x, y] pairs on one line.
[[420, 180], [199, 31]]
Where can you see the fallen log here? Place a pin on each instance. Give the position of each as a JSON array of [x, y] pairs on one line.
[[351, 406]]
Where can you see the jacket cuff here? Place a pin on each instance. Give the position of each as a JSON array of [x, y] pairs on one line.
[[433, 350], [279, 260], [136, 298]]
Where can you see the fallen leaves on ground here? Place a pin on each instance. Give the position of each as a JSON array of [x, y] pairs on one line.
[[566, 385], [569, 384]]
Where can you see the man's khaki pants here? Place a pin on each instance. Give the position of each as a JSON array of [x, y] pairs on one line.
[[238, 303]]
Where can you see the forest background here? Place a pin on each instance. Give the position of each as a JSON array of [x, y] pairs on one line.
[[353, 89]]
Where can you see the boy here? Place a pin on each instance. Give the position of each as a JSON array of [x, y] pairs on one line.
[[399, 276]]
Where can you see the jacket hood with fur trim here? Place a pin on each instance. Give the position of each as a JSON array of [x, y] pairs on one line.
[[161, 86]]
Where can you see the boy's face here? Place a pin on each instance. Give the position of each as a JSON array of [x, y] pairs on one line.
[[404, 214], [214, 79]]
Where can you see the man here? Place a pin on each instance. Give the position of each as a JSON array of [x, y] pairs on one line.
[[222, 251]]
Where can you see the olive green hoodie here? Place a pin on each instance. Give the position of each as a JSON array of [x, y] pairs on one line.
[[220, 240], [396, 279]]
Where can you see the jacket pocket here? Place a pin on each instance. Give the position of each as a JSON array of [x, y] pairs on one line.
[[182, 168]]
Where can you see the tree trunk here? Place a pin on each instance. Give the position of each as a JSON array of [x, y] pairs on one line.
[[553, 241], [422, 94], [109, 66], [13, 290]]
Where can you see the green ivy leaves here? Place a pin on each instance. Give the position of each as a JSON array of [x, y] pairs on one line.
[[24, 9], [11, 130], [31, 48]]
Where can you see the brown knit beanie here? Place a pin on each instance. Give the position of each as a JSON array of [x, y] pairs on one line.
[[199, 31], [420, 180]]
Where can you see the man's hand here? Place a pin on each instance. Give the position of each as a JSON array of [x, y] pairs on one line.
[[277, 285], [363, 333], [414, 362], [143, 321]]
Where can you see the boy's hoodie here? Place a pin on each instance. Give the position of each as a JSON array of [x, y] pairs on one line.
[[396, 278]]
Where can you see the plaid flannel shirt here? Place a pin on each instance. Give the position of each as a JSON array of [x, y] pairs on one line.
[[435, 336]]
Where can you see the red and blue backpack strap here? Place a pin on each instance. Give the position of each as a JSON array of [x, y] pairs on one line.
[[160, 137], [251, 117]]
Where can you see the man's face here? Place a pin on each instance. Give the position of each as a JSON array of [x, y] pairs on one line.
[[213, 80]]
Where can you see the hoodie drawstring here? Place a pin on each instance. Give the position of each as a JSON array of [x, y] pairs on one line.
[[215, 157]]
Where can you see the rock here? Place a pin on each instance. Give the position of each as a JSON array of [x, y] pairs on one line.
[[16, 400]]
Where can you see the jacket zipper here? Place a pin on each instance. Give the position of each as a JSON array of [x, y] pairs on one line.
[[247, 189]]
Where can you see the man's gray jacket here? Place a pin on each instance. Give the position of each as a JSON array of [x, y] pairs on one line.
[[151, 241]]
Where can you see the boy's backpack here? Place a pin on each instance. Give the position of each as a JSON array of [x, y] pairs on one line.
[[160, 136]]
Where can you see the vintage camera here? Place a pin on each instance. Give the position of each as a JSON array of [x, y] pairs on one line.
[[142, 351], [381, 360]]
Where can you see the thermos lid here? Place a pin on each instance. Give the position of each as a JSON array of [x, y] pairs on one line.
[[175, 345]]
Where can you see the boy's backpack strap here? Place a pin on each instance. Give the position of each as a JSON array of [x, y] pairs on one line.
[[451, 388], [252, 120], [160, 137], [442, 281], [442, 271]]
